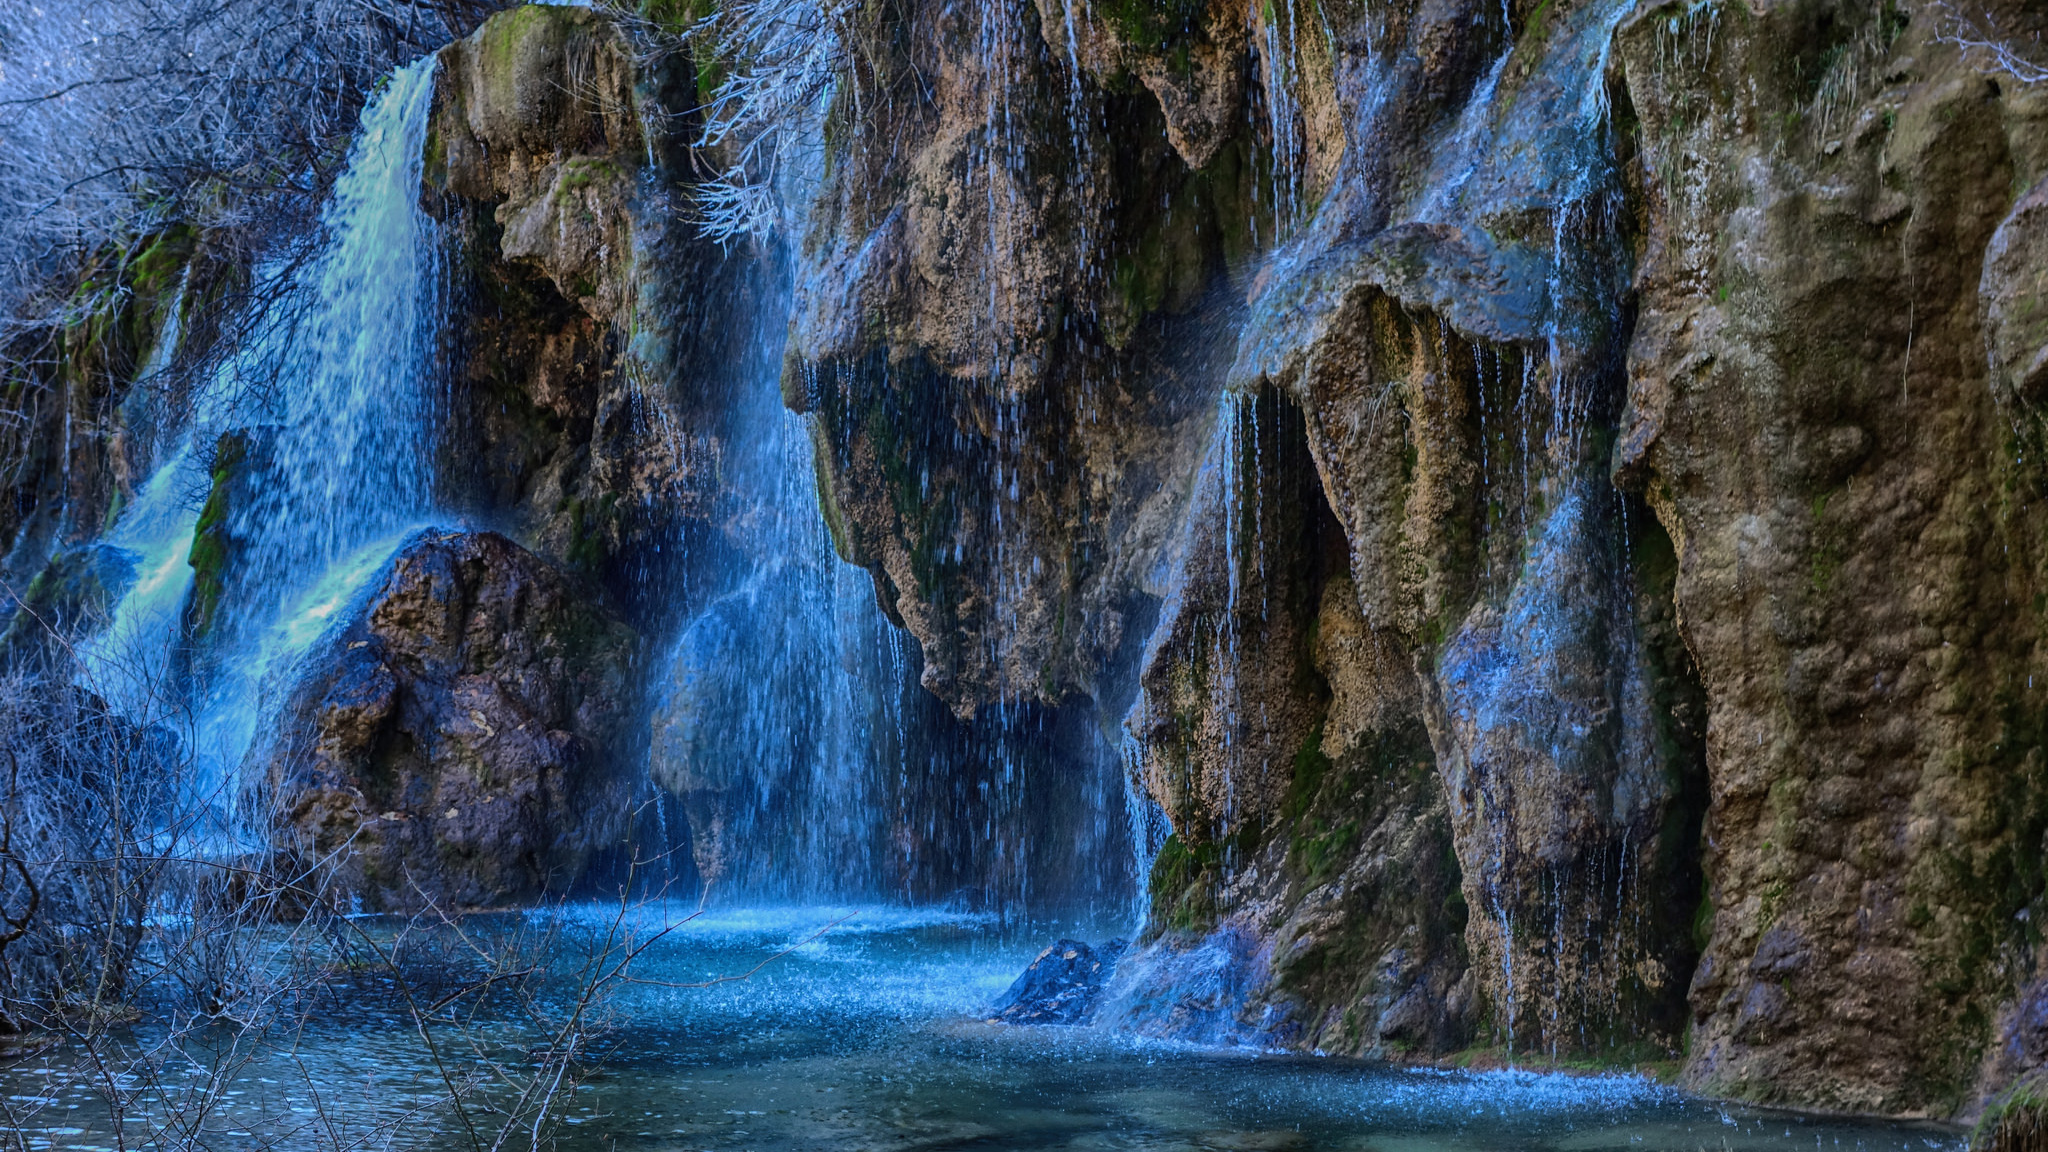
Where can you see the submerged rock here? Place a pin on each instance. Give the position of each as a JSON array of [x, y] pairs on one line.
[[458, 739], [1062, 986]]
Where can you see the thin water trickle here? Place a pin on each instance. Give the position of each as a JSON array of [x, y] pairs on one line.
[[1145, 820]]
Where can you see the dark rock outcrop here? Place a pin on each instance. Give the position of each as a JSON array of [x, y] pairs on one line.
[[78, 434], [968, 334], [71, 597], [554, 157], [1061, 986], [460, 737]]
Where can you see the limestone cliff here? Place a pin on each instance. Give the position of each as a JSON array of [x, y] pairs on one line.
[[551, 154], [1582, 459], [1826, 407]]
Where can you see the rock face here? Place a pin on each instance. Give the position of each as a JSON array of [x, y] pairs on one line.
[[552, 159], [1851, 486], [1414, 691], [1061, 986], [85, 403], [1594, 550], [973, 373], [462, 737]]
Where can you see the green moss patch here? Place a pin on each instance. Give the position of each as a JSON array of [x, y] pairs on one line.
[[211, 545], [2016, 1122], [1152, 25]]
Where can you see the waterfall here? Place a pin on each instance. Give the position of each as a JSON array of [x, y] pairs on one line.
[[334, 393], [340, 368], [776, 724], [813, 765], [320, 434]]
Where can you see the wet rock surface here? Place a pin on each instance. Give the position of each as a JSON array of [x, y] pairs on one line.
[[1666, 375], [1860, 592], [85, 400], [69, 599], [460, 737], [1062, 986], [1404, 446], [1037, 403], [577, 350]]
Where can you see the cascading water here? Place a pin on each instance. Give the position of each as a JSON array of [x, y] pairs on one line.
[[778, 720], [813, 766], [324, 422], [129, 662], [341, 369], [791, 721], [1545, 689]]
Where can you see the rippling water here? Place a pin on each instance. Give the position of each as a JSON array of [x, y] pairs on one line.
[[869, 1037]]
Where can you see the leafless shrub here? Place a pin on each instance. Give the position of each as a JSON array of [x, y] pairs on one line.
[[156, 955], [781, 63], [86, 792]]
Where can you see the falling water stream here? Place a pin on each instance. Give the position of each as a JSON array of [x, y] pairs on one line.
[[330, 408]]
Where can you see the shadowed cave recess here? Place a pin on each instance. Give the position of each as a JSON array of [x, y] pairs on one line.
[[1473, 532]]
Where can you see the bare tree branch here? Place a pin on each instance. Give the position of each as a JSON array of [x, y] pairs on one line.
[[1979, 36]]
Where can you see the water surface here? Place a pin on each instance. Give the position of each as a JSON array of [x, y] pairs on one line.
[[870, 1036]]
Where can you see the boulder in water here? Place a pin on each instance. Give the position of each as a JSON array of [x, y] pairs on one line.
[[458, 739], [1061, 986]]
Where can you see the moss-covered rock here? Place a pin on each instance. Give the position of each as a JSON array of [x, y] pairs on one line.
[[554, 148], [213, 542], [539, 111], [2017, 1121], [1856, 536]]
